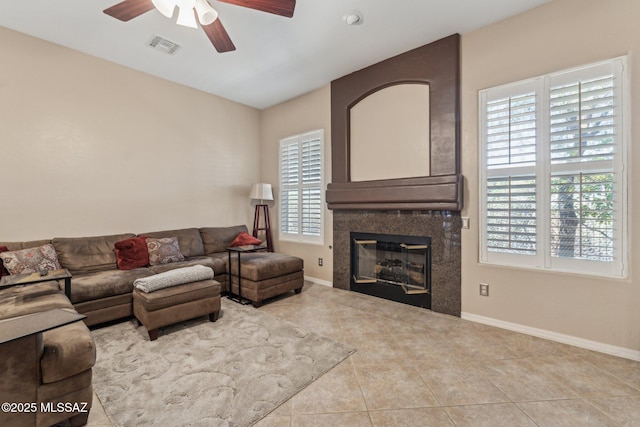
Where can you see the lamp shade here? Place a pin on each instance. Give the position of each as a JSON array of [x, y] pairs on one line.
[[261, 191]]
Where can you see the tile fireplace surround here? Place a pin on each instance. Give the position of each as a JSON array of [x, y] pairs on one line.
[[442, 226]]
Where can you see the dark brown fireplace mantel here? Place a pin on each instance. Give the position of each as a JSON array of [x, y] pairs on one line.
[[441, 193], [436, 64]]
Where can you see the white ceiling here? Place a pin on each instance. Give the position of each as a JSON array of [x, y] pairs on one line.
[[276, 58]]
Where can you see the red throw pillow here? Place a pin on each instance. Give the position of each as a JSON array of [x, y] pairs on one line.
[[3, 271], [132, 253], [244, 239]]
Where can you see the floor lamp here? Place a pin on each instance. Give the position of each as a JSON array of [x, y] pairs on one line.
[[262, 192]]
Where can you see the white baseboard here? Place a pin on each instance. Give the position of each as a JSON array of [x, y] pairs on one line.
[[318, 281], [613, 350]]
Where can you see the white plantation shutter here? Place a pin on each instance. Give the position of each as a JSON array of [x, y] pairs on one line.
[[511, 215], [582, 135], [509, 189], [553, 182], [582, 225], [289, 194], [582, 118], [511, 131], [312, 186], [301, 188]]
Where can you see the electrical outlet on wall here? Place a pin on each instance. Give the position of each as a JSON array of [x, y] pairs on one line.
[[484, 289], [320, 262]]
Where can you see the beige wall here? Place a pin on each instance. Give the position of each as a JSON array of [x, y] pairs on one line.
[[398, 113], [561, 34], [89, 147], [305, 113]]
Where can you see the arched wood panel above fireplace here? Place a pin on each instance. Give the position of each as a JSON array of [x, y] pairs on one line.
[[436, 65]]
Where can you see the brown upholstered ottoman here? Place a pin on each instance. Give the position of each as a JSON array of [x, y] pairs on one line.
[[266, 274], [176, 303]]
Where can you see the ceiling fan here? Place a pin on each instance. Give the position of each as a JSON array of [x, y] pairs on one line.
[[208, 16]]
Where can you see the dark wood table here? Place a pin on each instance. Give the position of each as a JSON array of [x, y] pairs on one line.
[[29, 278], [240, 250]]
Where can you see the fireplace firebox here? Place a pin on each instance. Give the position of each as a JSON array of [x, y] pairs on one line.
[[390, 266]]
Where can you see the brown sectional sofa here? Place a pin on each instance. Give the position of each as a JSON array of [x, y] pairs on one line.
[[103, 293]]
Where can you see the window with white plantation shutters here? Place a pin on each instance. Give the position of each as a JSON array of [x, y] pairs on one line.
[[301, 187], [553, 184]]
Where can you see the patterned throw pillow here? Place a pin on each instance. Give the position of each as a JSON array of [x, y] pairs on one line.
[[31, 260], [163, 251], [3, 271]]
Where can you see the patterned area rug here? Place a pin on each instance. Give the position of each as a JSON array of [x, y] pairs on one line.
[[229, 373]]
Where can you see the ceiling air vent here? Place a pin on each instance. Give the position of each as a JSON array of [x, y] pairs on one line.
[[163, 45]]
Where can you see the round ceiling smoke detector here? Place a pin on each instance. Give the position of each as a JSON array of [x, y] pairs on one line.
[[353, 18]]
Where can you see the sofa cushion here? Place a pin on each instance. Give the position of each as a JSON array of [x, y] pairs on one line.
[[15, 246], [87, 287], [259, 291], [218, 239], [132, 253], [102, 303], [164, 250], [22, 300], [32, 290], [31, 260], [88, 254], [188, 238], [217, 264], [258, 266], [68, 350], [68, 389]]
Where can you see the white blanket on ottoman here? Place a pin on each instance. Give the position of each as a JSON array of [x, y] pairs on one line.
[[179, 276]]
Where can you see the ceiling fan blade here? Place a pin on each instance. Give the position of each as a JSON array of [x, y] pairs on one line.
[[218, 36], [277, 7], [129, 9]]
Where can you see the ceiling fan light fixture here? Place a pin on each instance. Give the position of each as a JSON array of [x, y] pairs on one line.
[[186, 17], [165, 7], [206, 14]]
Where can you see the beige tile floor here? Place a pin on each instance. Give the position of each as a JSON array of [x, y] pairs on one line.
[[418, 368]]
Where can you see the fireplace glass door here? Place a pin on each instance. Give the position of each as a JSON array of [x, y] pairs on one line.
[[400, 261]]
